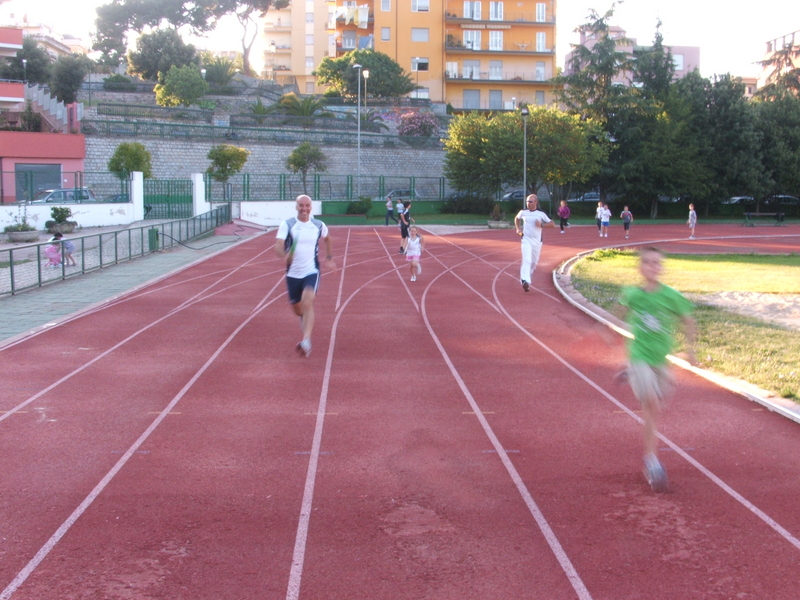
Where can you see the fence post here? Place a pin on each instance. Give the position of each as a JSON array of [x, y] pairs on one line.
[[137, 195], [199, 202]]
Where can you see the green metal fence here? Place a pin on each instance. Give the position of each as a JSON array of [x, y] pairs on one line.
[[320, 186], [167, 198], [146, 111], [26, 266]]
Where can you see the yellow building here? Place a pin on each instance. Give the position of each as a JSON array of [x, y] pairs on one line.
[[470, 54]]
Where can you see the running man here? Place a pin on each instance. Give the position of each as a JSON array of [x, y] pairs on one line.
[[529, 223], [297, 242], [653, 311]]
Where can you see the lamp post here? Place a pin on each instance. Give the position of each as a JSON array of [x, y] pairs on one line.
[[25, 70], [358, 118], [365, 73], [524, 112]]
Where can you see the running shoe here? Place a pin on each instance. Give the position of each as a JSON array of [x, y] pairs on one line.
[[655, 474], [621, 377], [525, 286], [304, 348], [413, 278]]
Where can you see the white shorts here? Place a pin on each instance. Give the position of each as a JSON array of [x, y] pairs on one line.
[[649, 383]]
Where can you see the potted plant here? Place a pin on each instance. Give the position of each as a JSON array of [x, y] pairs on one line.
[[497, 220], [60, 224], [20, 230]]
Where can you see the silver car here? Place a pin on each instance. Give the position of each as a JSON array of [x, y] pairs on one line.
[[64, 196]]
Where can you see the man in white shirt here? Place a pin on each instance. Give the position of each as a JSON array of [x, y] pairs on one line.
[[529, 223], [297, 242]]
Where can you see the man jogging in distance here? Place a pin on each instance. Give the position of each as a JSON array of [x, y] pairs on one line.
[[529, 223], [297, 242]]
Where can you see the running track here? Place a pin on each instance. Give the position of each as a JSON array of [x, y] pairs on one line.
[[453, 438]]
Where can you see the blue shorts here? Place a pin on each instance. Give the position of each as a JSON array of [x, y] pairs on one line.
[[605, 223], [296, 286]]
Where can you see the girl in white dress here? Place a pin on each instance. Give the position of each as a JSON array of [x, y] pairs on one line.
[[413, 251]]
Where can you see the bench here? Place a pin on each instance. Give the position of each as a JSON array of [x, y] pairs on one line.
[[751, 217]]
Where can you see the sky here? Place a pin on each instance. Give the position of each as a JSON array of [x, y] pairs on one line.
[[732, 35]]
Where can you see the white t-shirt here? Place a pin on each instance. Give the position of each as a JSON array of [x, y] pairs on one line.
[[413, 248], [529, 219], [307, 236]]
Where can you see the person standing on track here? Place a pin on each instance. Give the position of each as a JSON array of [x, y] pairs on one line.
[[598, 217], [692, 222], [563, 215], [297, 242], [414, 247], [405, 223], [529, 223], [605, 220], [627, 219], [652, 312]]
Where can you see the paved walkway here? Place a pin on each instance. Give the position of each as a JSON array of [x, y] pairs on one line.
[[37, 308]]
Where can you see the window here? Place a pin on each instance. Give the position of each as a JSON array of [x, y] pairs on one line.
[[472, 98], [309, 17], [472, 10], [495, 99], [309, 62], [472, 39], [38, 177], [495, 69], [419, 64], [495, 11], [451, 69], [541, 12], [541, 42], [419, 34], [539, 70], [677, 60], [540, 97], [467, 9], [495, 40], [386, 34], [422, 92], [386, 5], [472, 69], [349, 39], [309, 40], [420, 5]]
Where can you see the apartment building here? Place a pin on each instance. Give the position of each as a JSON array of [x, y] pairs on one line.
[[783, 48], [470, 54], [685, 58]]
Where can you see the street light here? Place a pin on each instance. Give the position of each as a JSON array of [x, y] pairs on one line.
[[358, 118], [524, 112], [365, 73], [25, 70]]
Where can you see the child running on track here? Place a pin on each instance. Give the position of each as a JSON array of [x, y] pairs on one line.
[[414, 249], [653, 310], [563, 215], [627, 219]]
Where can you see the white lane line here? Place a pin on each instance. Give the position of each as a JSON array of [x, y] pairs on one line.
[[719, 482], [65, 526], [301, 537], [344, 267], [397, 271], [548, 533]]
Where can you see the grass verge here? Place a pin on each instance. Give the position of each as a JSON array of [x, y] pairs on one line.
[[762, 353]]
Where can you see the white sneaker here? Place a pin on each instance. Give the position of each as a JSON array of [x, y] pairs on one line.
[[304, 348], [601, 234], [413, 278], [562, 231], [606, 235]]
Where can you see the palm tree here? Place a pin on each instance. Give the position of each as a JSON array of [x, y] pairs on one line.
[[292, 105]]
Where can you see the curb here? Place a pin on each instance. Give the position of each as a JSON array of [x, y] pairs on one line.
[[562, 279]]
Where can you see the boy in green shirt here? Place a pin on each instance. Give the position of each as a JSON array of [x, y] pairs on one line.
[[653, 311]]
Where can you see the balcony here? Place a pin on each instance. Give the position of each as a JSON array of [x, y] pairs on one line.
[[12, 93], [520, 49], [10, 41], [534, 76], [509, 18]]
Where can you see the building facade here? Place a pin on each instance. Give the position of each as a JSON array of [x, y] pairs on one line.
[[470, 54]]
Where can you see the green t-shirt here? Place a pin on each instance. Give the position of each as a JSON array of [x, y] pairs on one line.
[[652, 316]]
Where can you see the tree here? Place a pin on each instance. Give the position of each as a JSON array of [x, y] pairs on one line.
[[484, 153], [306, 158], [778, 123], [387, 79], [219, 70], [293, 105], [158, 52], [128, 158], [248, 14], [36, 69], [226, 161], [182, 86], [785, 74], [67, 75]]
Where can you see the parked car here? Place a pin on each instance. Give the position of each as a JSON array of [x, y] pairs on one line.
[[64, 196], [514, 196], [589, 197], [117, 198], [739, 200], [782, 199]]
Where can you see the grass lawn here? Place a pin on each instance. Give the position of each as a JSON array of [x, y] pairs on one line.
[[762, 353]]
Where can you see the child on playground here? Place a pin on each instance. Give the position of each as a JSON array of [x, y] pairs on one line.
[[53, 253], [653, 310], [563, 215], [692, 222], [68, 246], [627, 218], [414, 249]]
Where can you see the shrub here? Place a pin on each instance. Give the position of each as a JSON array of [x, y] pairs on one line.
[[130, 157], [362, 206], [417, 124], [60, 214], [118, 83]]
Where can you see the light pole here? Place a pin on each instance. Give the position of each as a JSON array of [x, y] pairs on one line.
[[358, 118], [25, 69], [365, 72], [524, 113]]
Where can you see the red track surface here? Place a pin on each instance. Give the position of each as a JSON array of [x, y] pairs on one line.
[[447, 439]]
